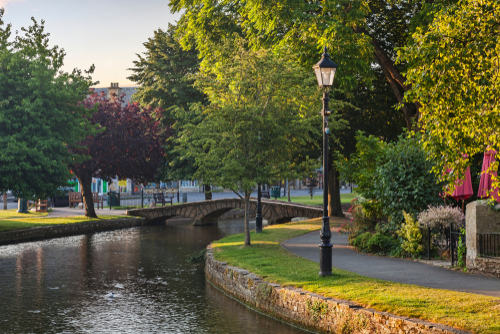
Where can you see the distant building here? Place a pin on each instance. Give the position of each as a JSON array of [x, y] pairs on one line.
[[116, 89]]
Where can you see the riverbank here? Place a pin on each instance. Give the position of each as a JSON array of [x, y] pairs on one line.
[[268, 260], [30, 229]]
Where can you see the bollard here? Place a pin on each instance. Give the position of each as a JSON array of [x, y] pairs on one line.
[[142, 197], [5, 201]]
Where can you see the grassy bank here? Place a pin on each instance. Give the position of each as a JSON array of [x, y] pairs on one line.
[[269, 260], [12, 213], [29, 222], [317, 199]]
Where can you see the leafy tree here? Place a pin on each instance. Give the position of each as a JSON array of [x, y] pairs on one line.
[[311, 185], [165, 75], [40, 114], [362, 38], [393, 177], [454, 71], [255, 99], [359, 34], [369, 110], [128, 145]]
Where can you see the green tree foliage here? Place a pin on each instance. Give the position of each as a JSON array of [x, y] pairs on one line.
[[165, 73], [393, 177], [358, 33], [454, 72], [403, 180], [362, 38], [40, 113], [259, 108]]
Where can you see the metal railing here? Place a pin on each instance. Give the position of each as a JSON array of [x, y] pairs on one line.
[[139, 199], [489, 244]]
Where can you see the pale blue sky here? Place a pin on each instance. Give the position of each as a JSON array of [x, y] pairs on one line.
[[106, 33]]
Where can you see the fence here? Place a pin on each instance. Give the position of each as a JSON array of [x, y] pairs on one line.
[[489, 244], [448, 239], [138, 199]]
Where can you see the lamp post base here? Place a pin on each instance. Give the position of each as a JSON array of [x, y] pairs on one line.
[[325, 260]]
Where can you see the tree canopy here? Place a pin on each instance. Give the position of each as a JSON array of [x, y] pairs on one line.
[[454, 72], [361, 35], [166, 75], [40, 113], [260, 107], [128, 145]]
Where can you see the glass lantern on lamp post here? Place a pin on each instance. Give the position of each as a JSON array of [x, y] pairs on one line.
[[325, 73]]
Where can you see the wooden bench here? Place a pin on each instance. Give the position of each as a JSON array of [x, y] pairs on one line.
[[265, 193], [74, 198], [160, 198], [41, 205], [98, 199]]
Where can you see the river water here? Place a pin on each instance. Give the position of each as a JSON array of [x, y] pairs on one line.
[[63, 285]]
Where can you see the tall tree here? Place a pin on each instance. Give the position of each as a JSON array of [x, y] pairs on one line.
[[165, 75], [371, 110], [128, 145], [259, 107], [359, 34], [40, 113], [362, 38], [454, 69]]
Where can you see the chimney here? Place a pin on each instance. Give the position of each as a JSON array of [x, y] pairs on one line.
[[114, 89]]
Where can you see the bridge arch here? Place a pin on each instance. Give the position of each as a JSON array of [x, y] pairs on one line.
[[208, 212]]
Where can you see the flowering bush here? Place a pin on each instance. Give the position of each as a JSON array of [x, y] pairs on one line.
[[440, 216]]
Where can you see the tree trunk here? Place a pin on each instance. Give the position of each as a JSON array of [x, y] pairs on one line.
[[247, 222], [288, 189], [208, 193], [86, 184], [334, 203]]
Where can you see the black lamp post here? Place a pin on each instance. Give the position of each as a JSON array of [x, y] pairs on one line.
[[325, 73], [258, 216]]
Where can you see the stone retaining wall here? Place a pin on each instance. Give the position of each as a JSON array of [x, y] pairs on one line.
[[53, 231], [308, 310], [484, 266]]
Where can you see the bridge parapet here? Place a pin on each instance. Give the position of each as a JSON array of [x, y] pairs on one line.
[[207, 212]]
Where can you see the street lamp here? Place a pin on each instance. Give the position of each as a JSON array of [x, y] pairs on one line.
[[325, 73]]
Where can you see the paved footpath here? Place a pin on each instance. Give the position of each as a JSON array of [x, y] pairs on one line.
[[392, 269]]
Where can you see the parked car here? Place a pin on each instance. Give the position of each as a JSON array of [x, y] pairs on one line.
[[62, 200]]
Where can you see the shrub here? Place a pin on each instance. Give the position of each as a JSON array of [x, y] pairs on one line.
[[404, 182], [392, 177], [411, 235], [440, 216], [380, 243]]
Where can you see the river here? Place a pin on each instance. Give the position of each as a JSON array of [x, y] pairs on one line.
[[63, 285]]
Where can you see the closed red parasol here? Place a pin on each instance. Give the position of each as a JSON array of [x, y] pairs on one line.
[[486, 183], [463, 188]]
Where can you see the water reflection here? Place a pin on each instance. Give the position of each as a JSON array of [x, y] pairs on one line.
[[62, 285]]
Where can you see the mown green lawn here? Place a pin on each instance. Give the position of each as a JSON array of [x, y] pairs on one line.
[[317, 199], [269, 260], [29, 222], [12, 213]]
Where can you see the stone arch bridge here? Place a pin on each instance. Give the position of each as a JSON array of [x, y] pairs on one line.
[[207, 212]]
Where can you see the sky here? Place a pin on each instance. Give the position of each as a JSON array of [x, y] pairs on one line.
[[106, 33]]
